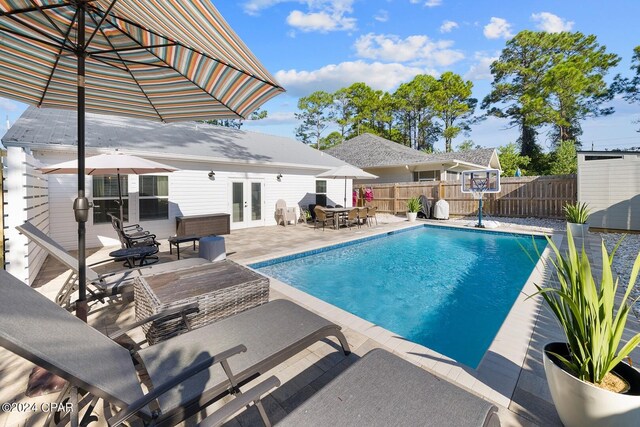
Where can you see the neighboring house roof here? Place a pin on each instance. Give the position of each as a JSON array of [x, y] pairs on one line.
[[57, 129], [372, 151]]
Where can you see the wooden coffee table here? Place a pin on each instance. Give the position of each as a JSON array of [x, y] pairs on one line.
[[221, 289]]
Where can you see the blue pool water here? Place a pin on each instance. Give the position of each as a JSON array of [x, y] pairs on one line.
[[447, 289]]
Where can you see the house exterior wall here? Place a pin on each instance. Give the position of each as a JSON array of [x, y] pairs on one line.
[[191, 192], [388, 175], [27, 199], [611, 187]]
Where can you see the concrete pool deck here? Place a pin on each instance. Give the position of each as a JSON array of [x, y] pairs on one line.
[[510, 375]]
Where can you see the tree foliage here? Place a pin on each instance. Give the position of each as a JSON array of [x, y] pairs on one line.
[[316, 113], [554, 79], [453, 105], [564, 160], [629, 87], [511, 160]]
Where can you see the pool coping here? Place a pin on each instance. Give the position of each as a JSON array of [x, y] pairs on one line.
[[497, 374]]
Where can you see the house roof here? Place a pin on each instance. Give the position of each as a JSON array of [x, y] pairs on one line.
[[57, 129], [372, 151]]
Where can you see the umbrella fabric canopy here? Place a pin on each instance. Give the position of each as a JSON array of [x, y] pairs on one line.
[[346, 172], [167, 60], [110, 164]]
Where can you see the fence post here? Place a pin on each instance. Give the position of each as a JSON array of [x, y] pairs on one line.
[[395, 198]]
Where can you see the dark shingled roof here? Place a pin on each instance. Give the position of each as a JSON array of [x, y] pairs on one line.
[[47, 127], [371, 151]]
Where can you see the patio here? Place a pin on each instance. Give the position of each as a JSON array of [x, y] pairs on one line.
[[511, 375]]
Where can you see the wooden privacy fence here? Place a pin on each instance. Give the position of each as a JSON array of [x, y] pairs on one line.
[[530, 196]]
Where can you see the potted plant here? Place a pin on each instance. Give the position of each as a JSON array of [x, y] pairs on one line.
[[413, 207], [589, 382], [577, 216]]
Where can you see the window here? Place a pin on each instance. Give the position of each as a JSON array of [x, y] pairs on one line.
[[321, 192], [426, 176], [105, 198], [154, 197]]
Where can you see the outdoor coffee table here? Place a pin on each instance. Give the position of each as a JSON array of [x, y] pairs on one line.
[[221, 289]]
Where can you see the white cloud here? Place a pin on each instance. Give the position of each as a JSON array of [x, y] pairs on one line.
[[447, 26], [428, 3], [481, 70], [8, 105], [381, 16], [551, 23], [335, 76], [498, 28], [321, 15], [420, 48]]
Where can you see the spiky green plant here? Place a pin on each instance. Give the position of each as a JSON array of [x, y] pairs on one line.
[[591, 320], [414, 205], [578, 213]]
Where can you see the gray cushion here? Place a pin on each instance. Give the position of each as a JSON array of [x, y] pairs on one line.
[[382, 389]]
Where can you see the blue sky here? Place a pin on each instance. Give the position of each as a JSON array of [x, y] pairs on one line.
[[327, 44]]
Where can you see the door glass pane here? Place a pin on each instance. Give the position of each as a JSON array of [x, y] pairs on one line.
[[237, 208], [256, 201]]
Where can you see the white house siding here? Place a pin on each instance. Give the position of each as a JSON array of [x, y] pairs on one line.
[[611, 187], [191, 192], [26, 199]]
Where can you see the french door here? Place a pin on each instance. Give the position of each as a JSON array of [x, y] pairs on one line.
[[247, 202]]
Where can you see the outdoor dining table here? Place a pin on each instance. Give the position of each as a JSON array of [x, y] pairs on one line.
[[337, 213]]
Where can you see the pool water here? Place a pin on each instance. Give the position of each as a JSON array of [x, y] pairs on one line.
[[447, 289]]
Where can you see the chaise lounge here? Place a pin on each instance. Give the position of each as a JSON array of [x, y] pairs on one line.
[[186, 373], [381, 389]]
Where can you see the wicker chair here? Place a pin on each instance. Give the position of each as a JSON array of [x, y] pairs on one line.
[[352, 218], [371, 215], [321, 217], [362, 215], [285, 214]]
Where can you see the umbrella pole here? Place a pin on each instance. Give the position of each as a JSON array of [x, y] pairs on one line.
[[81, 204], [120, 201], [345, 192]]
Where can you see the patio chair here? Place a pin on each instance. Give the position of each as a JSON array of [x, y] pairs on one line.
[[105, 285], [352, 218], [362, 215], [380, 389], [322, 217], [371, 215], [285, 214], [185, 373]]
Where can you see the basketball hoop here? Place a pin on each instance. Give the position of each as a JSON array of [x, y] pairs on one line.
[[479, 182]]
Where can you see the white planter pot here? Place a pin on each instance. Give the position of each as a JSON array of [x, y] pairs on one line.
[[412, 216], [580, 404], [579, 231]]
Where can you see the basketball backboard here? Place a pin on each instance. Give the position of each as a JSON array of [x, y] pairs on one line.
[[481, 181]]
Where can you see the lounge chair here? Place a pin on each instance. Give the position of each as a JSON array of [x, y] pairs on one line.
[[285, 214], [381, 389], [185, 373], [105, 285]]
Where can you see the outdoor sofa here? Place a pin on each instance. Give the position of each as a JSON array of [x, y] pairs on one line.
[[186, 373], [102, 285], [380, 389]]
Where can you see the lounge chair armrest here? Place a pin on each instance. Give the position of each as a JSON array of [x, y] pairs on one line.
[[133, 409], [253, 395], [181, 310]]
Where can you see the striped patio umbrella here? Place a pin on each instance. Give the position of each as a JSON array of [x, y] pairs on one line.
[[167, 60]]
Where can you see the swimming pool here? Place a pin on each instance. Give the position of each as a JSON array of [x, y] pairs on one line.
[[445, 288]]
